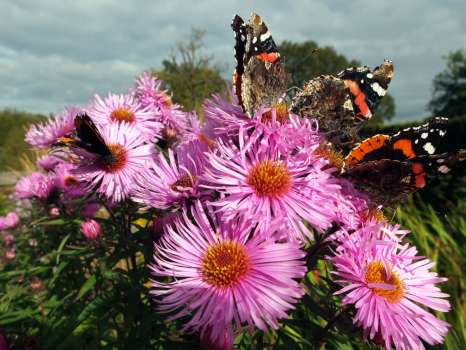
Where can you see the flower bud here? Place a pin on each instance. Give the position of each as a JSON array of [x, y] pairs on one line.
[[91, 229]]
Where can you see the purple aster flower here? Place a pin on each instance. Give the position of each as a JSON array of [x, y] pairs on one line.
[[43, 135], [258, 180], [114, 178], [175, 125], [10, 220], [124, 108], [224, 275], [91, 229], [170, 182], [48, 162], [148, 91], [67, 181], [222, 117], [390, 285], [35, 185]]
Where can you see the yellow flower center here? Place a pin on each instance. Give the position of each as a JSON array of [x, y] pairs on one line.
[[122, 115], [117, 159], [281, 114], [335, 158], [225, 263], [269, 178], [183, 182], [376, 274]]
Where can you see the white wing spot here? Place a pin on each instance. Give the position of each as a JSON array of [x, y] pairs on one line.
[[378, 89], [441, 132], [369, 75], [429, 148], [424, 135], [254, 40], [265, 36], [440, 160], [416, 141]]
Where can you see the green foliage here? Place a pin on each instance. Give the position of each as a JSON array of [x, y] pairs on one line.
[[449, 87], [442, 238], [191, 75], [307, 60], [12, 145], [92, 294]]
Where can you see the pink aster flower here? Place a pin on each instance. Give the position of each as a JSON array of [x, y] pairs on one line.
[[35, 185], [169, 182], [148, 91], [224, 278], [48, 162], [91, 229], [223, 117], [258, 180], [390, 287], [174, 126], [124, 108], [67, 181], [114, 177], [45, 134], [10, 220]]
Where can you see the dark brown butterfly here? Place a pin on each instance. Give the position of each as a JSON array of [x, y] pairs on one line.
[[89, 138]]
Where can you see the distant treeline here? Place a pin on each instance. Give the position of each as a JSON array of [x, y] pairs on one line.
[[13, 125]]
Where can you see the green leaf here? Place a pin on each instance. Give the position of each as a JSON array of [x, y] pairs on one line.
[[87, 286]]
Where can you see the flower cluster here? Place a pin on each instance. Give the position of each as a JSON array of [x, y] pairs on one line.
[[238, 202], [389, 286]]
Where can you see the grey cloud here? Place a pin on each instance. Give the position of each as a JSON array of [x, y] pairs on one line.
[[53, 53]]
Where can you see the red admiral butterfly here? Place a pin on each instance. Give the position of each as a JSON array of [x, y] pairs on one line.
[[343, 103], [259, 78], [388, 168]]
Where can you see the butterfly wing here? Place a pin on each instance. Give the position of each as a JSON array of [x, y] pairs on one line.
[[342, 104], [406, 144], [367, 87], [259, 78], [390, 167], [89, 136]]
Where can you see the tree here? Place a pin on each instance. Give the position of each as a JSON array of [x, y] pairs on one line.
[[191, 75], [307, 60], [449, 87]]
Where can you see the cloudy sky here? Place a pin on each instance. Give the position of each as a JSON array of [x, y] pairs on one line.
[[59, 52]]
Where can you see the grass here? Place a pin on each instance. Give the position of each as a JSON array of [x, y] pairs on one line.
[[442, 237]]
